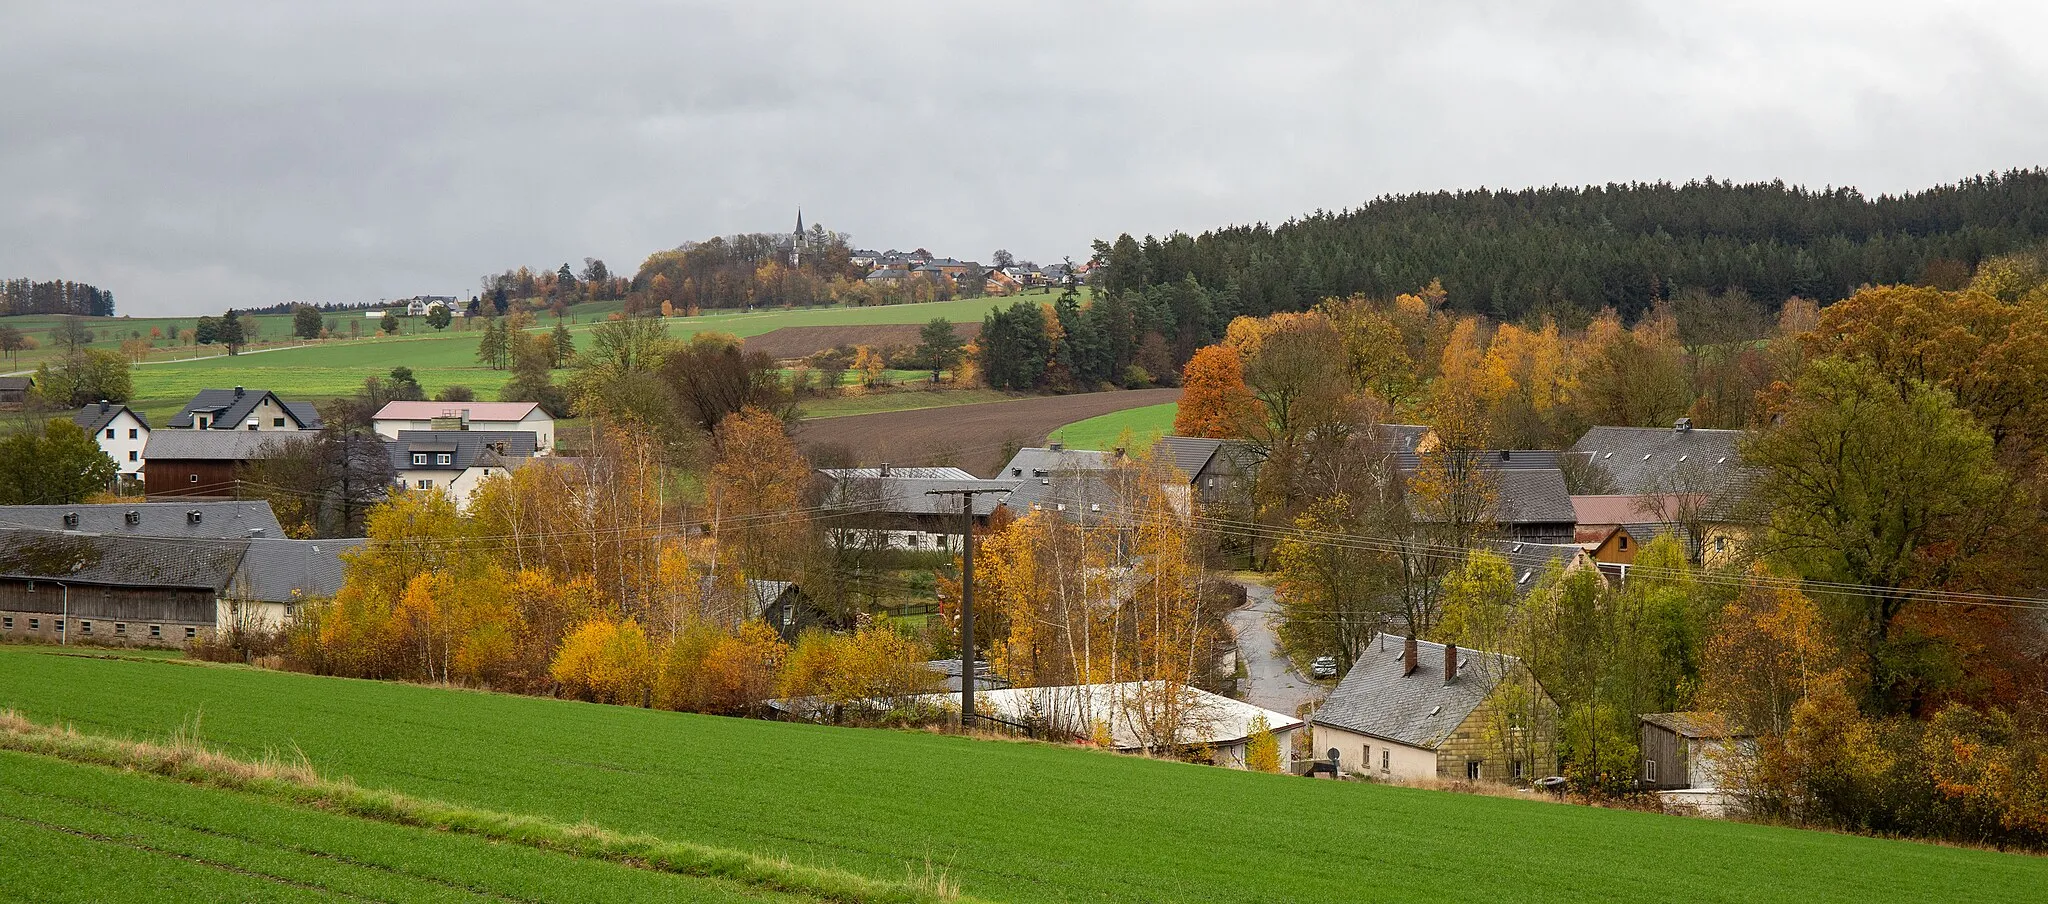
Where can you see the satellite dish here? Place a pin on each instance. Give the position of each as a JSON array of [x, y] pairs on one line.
[[1333, 754]]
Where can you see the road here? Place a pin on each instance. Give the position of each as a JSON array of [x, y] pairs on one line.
[[1270, 678]]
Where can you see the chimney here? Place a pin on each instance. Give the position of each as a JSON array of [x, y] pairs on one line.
[[1058, 446], [1683, 425], [1450, 663], [104, 405], [1408, 664], [238, 392], [885, 469]]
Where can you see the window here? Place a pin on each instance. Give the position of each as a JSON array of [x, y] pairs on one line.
[[419, 458], [1471, 770], [156, 630], [1624, 541], [195, 478], [1366, 760], [35, 624], [84, 626], [788, 615], [1649, 770], [134, 455], [444, 458], [202, 423], [1386, 756], [252, 425], [110, 433], [134, 433], [7, 622], [1521, 771], [121, 628], [426, 485], [191, 632], [1720, 544], [277, 422]]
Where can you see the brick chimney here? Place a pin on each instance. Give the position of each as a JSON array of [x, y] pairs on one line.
[[1408, 655], [1450, 663], [885, 469]]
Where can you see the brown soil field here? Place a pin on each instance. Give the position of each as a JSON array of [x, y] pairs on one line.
[[792, 342], [978, 438]]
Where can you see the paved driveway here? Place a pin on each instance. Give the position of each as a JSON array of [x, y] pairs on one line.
[[1270, 678]]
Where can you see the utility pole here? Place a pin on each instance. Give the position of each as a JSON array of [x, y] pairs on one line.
[[968, 672]]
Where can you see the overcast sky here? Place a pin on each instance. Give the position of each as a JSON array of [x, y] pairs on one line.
[[190, 156]]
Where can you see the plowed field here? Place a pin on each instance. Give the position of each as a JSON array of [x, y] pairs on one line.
[[976, 437]]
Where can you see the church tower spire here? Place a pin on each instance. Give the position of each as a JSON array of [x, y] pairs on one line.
[[796, 240]]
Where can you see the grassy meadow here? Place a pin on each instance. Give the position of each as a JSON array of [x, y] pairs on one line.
[[1101, 433], [320, 370], [1006, 821]]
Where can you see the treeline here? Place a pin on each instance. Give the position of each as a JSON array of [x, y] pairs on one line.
[[27, 296], [745, 270], [1623, 247], [545, 288], [1127, 339]]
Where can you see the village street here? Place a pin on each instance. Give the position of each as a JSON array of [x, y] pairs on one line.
[[1271, 680]]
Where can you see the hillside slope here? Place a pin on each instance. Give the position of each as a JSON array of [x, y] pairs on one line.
[[1008, 821]]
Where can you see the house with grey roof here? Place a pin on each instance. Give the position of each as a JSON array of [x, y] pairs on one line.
[[183, 520], [240, 408], [1635, 461], [1411, 710], [896, 509], [455, 462], [120, 432], [1218, 470], [1529, 497], [71, 586]]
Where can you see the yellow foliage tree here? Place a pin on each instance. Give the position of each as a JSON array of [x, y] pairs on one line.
[[607, 662], [1262, 748]]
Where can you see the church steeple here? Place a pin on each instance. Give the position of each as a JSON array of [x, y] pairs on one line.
[[796, 240]]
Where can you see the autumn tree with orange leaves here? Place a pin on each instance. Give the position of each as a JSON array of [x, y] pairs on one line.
[[1214, 402]]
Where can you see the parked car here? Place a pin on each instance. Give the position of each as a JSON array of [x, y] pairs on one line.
[[1323, 667]]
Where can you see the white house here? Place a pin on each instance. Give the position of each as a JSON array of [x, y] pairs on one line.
[[120, 432], [456, 461], [524, 417], [419, 306]]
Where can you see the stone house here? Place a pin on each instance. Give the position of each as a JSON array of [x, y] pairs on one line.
[[1411, 710]]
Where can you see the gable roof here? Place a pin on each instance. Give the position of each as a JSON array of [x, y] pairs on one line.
[[119, 561], [217, 520], [475, 411], [274, 570], [1531, 495], [1694, 725], [1190, 453], [17, 384], [95, 418], [227, 409], [1642, 460], [214, 445], [1034, 461], [1491, 459], [468, 448], [1419, 710], [305, 413], [912, 495]]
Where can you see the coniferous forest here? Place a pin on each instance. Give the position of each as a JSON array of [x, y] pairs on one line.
[[27, 296], [1510, 253]]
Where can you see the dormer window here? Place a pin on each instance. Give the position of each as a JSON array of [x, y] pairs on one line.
[[444, 458], [419, 458]]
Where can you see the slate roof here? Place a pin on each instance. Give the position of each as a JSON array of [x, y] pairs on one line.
[[213, 445], [470, 448], [276, 570], [1075, 494], [1403, 437], [229, 408], [928, 473], [1419, 710], [1043, 462], [1531, 560], [1693, 724], [1527, 495], [476, 411], [891, 273], [94, 418], [1190, 453], [1641, 460], [119, 561], [217, 520], [911, 495]]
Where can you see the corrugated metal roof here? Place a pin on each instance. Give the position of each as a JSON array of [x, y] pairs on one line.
[[477, 411]]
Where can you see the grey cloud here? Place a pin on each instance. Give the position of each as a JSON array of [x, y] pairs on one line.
[[192, 156]]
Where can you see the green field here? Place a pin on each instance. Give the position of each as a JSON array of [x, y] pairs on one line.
[[905, 400], [1007, 821], [1101, 433], [319, 371], [86, 833]]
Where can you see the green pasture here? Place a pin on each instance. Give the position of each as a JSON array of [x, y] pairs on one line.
[[85, 833], [1008, 821], [331, 368], [1102, 433], [910, 399]]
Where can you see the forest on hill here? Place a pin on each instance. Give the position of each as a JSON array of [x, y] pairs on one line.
[[28, 296], [1513, 253]]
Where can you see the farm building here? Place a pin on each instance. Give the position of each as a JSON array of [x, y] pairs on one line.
[[457, 416], [896, 509], [188, 520], [1216, 468], [240, 408], [120, 432], [1144, 717], [76, 587], [1686, 757], [455, 462], [201, 463], [1683, 459], [14, 391], [1411, 710]]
